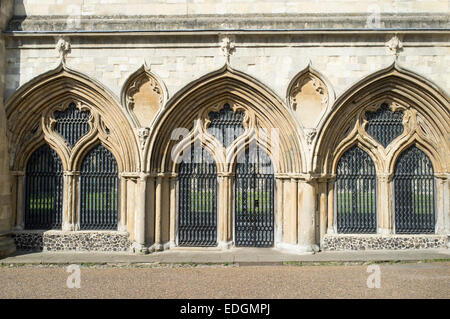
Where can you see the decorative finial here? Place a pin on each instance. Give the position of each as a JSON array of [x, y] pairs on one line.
[[64, 48], [227, 46], [395, 45]]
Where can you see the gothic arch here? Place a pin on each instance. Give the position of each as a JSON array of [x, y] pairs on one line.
[[225, 84], [426, 120], [29, 110], [143, 85]]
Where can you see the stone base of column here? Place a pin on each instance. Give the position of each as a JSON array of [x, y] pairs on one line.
[[224, 245], [384, 231], [298, 249], [139, 249], [7, 246]]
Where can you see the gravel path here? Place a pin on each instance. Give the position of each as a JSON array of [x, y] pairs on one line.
[[411, 280]]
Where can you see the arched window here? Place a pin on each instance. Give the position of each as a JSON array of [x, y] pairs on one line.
[[72, 124], [414, 193], [226, 125], [254, 199], [384, 124], [197, 202], [98, 190], [356, 193], [43, 190]]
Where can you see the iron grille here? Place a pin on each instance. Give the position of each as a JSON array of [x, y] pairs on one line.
[[43, 190], [414, 193], [197, 182], [384, 125], [98, 190], [356, 193], [226, 125], [72, 124], [254, 199]]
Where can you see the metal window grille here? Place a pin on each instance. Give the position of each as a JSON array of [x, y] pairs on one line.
[[72, 124], [43, 190], [226, 125], [254, 199], [197, 206], [356, 193], [414, 193], [99, 190], [384, 125]]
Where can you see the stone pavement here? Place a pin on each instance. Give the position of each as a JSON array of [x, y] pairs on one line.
[[250, 256]]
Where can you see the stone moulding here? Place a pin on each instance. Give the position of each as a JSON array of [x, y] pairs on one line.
[[309, 97], [380, 242], [78, 241], [216, 88], [143, 96]]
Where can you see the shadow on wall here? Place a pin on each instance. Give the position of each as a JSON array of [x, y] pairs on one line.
[[13, 58]]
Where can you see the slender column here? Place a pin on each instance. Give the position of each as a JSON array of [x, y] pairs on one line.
[[173, 209], [384, 199], [279, 211], [225, 211], [323, 209], [122, 227], [442, 204], [330, 221], [307, 211], [17, 199], [150, 211], [139, 217], [70, 221], [158, 213], [291, 213]]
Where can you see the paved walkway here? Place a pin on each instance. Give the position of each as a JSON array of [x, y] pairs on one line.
[[410, 280], [252, 256]]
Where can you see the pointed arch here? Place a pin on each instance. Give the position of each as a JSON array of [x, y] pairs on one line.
[[139, 86], [430, 110], [224, 84], [322, 88], [35, 100]]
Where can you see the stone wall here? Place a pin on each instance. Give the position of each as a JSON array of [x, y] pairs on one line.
[[379, 242], [273, 60], [79, 241], [6, 243]]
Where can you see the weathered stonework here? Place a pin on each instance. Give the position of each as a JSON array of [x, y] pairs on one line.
[[310, 71], [378, 242], [64, 241]]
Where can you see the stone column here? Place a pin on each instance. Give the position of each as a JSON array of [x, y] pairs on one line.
[[306, 213], [17, 221], [442, 204], [384, 203], [173, 210], [70, 201], [323, 209], [122, 227], [139, 217], [6, 242], [290, 214], [158, 213], [330, 208], [279, 210], [225, 210]]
